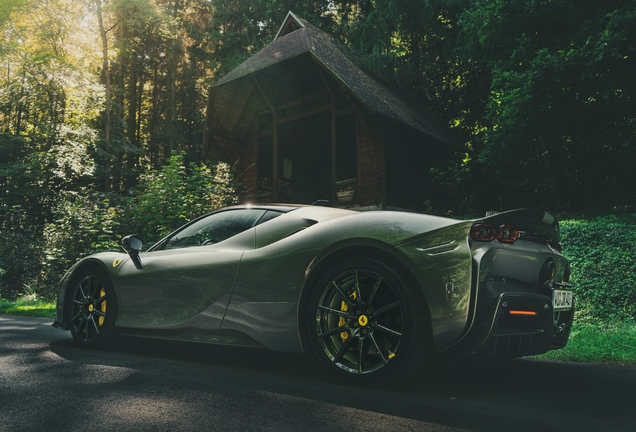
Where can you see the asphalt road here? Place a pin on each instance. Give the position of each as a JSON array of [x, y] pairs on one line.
[[47, 384]]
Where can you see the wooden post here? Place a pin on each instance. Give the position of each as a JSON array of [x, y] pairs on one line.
[[274, 139]]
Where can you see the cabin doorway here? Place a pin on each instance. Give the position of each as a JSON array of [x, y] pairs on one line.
[[304, 159]]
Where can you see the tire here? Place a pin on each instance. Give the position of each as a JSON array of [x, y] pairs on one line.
[[367, 325], [92, 309]]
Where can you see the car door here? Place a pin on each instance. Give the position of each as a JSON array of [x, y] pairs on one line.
[[187, 281]]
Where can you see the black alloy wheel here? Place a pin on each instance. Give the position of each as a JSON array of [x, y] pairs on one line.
[[92, 309], [362, 322]]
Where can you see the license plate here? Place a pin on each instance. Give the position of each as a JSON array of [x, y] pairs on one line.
[[562, 300]]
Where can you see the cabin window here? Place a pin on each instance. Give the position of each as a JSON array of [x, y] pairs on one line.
[[346, 154], [299, 86], [265, 123]]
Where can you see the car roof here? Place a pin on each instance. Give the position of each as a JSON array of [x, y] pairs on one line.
[[283, 208]]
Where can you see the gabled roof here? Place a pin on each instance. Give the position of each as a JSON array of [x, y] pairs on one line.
[[291, 23], [297, 36]]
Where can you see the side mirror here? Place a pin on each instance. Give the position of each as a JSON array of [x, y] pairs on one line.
[[132, 244]]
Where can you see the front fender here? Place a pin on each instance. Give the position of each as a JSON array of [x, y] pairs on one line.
[[109, 262]]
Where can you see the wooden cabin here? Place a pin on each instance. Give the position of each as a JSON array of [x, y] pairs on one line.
[[307, 124]]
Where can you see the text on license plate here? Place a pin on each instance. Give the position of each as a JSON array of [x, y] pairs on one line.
[[562, 300]]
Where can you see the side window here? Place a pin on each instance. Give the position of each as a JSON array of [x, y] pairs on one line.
[[269, 215], [214, 228]]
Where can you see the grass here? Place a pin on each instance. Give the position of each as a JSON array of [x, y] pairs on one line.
[[588, 343], [27, 307]]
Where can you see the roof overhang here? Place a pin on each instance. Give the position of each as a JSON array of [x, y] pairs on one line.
[[296, 37]]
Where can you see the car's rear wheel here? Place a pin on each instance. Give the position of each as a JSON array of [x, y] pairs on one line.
[[92, 309], [366, 323]]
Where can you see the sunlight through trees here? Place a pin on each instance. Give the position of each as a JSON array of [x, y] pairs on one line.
[[98, 96]]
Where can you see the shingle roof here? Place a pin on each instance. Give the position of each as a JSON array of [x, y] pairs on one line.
[[297, 37]]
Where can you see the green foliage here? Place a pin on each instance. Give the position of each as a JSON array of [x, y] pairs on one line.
[[603, 256], [7, 8], [168, 197], [87, 221], [558, 123], [241, 28], [19, 261], [454, 181], [542, 91], [84, 222]]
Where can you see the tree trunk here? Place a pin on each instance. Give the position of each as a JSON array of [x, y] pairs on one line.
[[172, 96], [173, 59], [106, 73], [548, 169], [132, 124], [19, 113], [154, 150]]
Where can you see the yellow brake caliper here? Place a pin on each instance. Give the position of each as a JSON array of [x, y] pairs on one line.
[[102, 293], [342, 321]]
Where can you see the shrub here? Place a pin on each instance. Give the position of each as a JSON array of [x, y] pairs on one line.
[[20, 259], [603, 259], [88, 222], [167, 198], [85, 222]]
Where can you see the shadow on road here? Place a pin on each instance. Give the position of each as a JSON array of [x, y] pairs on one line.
[[167, 385], [548, 385], [294, 365]]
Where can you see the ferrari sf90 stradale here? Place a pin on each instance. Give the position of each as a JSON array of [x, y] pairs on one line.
[[371, 295]]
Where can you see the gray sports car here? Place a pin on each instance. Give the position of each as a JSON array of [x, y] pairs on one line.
[[371, 295]]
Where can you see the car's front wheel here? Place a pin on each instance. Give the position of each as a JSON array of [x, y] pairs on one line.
[[366, 323], [92, 309]]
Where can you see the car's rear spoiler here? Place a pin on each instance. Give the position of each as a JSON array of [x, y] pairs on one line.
[[532, 222]]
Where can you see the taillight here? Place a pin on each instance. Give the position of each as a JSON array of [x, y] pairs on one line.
[[483, 232], [506, 233]]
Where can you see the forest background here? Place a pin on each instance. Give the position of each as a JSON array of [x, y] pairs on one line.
[[102, 109]]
